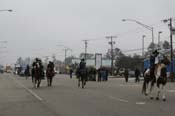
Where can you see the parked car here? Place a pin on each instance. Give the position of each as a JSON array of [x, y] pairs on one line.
[[1, 71], [22, 73], [121, 71], [132, 73]]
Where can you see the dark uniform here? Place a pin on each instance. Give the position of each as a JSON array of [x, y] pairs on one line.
[[82, 68], [137, 74], [126, 75]]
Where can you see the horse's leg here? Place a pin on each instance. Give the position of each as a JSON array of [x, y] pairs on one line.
[[145, 87], [79, 82], [36, 82], [163, 93], [47, 81], [39, 81], [82, 80], [151, 90], [158, 93], [51, 81], [32, 79]]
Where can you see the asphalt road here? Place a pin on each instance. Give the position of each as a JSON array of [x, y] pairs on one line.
[[18, 97]]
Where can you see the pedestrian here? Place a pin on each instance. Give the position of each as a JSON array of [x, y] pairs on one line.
[[137, 74], [99, 74], [71, 71], [126, 73], [27, 72], [107, 74]]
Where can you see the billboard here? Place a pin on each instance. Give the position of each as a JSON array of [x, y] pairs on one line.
[[98, 60]]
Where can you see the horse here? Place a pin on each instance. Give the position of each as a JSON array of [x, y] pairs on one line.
[[50, 74], [82, 76], [37, 74], [159, 76]]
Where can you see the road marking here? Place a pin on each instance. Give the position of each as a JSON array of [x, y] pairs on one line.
[[140, 103], [118, 99], [134, 85], [171, 91], [29, 90]]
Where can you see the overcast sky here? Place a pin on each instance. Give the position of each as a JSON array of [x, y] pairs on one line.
[[36, 27]]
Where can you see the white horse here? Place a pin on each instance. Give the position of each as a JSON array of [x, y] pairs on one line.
[[159, 77]]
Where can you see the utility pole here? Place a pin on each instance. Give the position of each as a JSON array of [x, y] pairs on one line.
[[143, 42], [171, 45], [65, 50], [112, 53], [86, 45], [159, 38], [171, 40]]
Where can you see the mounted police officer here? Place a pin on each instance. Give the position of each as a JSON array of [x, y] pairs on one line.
[[82, 72], [82, 64], [154, 60], [50, 73]]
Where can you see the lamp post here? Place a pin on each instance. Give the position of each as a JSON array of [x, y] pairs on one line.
[[145, 26]]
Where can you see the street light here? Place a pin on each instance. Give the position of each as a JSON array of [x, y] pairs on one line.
[[145, 26], [9, 10]]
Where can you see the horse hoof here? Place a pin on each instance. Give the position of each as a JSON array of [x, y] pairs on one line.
[[164, 99], [151, 98], [157, 98], [146, 94]]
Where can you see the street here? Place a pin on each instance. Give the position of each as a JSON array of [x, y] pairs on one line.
[[18, 97]]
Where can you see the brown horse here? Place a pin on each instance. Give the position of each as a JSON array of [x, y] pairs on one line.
[[36, 78], [50, 73]]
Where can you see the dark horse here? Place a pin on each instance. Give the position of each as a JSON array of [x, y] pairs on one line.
[[82, 76], [50, 73], [37, 74], [159, 77]]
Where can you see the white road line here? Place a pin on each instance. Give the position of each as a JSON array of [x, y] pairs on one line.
[[134, 85], [29, 90], [140, 103], [118, 99], [171, 91]]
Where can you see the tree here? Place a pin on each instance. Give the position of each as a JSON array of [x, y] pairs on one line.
[[166, 45], [116, 52], [130, 62], [152, 46], [19, 61]]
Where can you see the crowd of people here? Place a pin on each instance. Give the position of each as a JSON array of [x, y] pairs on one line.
[[92, 74]]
